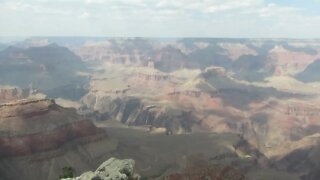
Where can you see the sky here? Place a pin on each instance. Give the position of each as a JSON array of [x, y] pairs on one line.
[[161, 18]]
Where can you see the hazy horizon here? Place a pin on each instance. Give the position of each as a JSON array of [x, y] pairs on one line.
[[22, 38]]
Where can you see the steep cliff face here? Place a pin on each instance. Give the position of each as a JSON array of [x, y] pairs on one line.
[[33, 126], [288, 61], [38, 138], [135, 112], [272, 123]]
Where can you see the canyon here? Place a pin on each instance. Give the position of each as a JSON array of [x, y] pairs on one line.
[[180, 108]]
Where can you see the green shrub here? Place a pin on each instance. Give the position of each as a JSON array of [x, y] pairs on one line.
[[67, 172]]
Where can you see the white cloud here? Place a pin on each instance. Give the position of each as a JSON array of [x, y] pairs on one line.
[[205, 6], [38, 7], [228, 18], [271, 10], [85, 15]]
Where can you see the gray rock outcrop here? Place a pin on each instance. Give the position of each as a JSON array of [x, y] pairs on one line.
[[112, 169]]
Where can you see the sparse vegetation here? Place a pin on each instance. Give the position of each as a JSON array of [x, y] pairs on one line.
[[67, 172]]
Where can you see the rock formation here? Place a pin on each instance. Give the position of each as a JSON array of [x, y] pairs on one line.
[[33, 126], [209, 91], [9, 93], [38, 138], [112, 169]]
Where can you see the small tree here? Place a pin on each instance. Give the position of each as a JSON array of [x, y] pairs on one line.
[[67, 172]]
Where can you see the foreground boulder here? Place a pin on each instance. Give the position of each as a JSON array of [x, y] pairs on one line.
[[114, 169]]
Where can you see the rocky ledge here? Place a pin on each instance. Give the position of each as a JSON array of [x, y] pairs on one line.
[[112, 169]]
